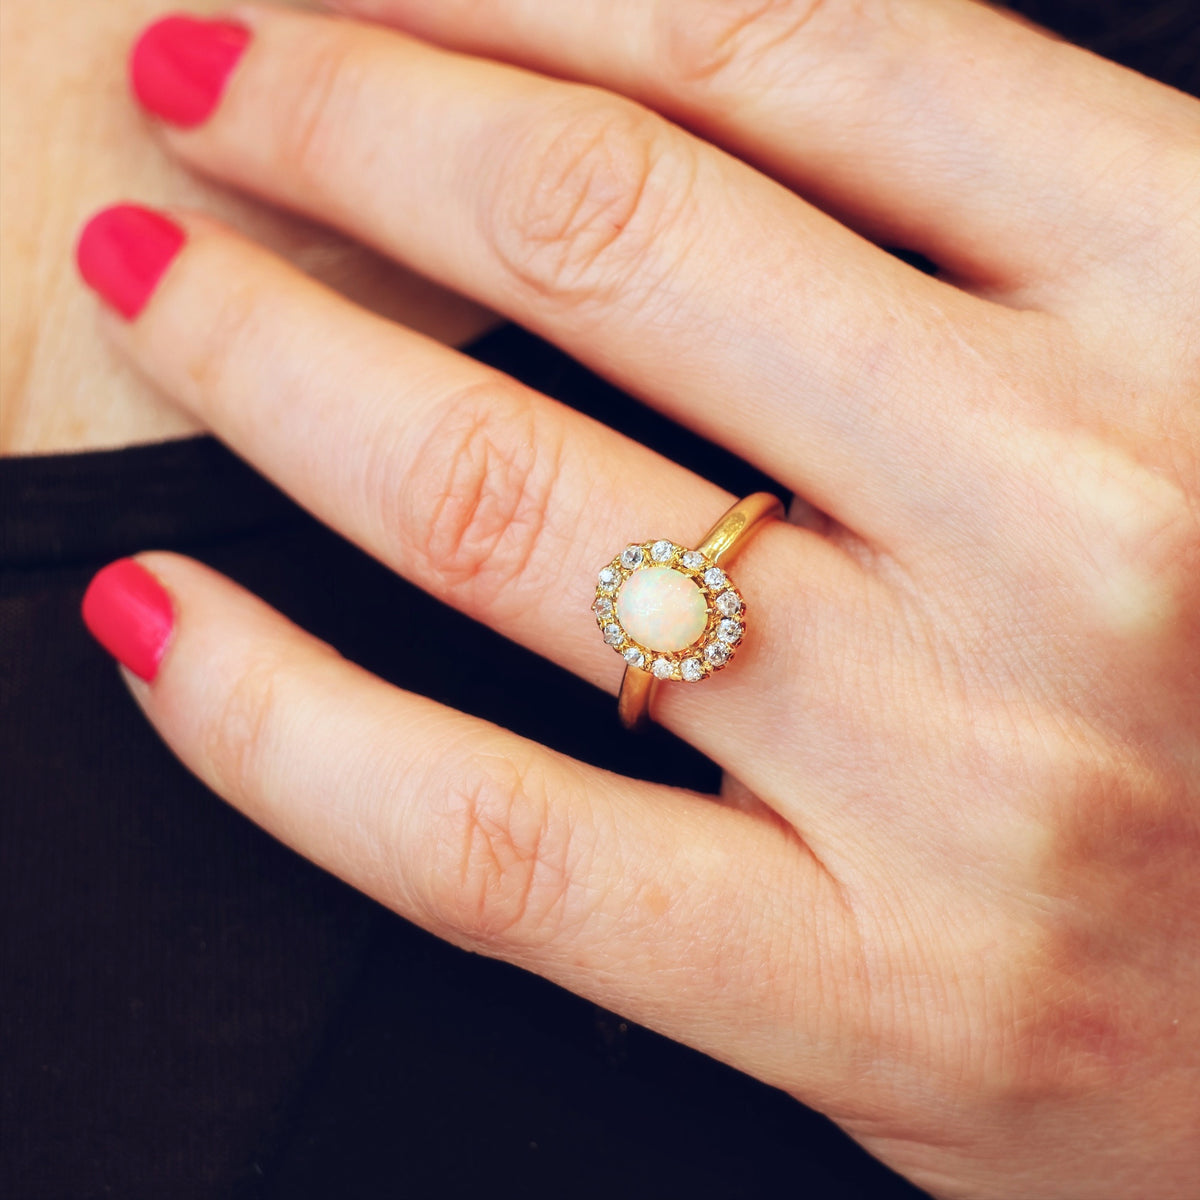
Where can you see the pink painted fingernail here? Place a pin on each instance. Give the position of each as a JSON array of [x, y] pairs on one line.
[[180, 66], [129, 613], [123, 253]]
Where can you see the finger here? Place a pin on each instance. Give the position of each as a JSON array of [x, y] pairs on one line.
[[485, 493], [623, 891], [948, 128], [683, 275]]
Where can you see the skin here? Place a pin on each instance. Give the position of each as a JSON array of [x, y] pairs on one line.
[[949, 896], [61, 387]]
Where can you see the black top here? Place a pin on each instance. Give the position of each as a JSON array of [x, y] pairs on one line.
[[191, 1010]]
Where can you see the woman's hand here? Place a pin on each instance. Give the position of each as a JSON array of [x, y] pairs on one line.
[[950, 896]]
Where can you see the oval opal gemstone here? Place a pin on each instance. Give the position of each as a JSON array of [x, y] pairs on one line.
[[662, 609]]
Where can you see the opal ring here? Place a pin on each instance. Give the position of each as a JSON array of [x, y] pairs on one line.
[[673, 613]]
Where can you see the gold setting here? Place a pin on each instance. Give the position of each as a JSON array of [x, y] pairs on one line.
[[720, 545], [724, 629]]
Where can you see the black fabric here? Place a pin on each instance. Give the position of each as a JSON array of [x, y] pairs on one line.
[[190, 1010]]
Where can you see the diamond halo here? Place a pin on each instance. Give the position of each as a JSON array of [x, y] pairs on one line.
[[725, 622]]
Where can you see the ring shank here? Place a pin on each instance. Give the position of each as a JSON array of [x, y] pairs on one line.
[[721, 544]]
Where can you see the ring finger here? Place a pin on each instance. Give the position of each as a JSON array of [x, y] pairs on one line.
[[487, 494]]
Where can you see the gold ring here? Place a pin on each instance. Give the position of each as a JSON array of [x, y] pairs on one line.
[[673, 613]]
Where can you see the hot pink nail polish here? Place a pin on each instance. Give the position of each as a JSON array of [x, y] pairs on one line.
[[129, 613], [123, 253], [180, 66]]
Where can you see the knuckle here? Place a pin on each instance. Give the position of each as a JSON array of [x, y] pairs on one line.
[[1056, 1027], [510, 861], [227, 339], [483, 483], [1147, 555], [1077, 976], [714, 40], [237, 736], [585, 198], [1173, 565], [1131, 536], [312, 130], [1050, 1035]]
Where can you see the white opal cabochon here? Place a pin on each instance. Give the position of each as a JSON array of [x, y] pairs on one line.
[[662, 609]]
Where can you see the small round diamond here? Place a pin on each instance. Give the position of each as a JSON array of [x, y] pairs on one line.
[[717, 653], [603, 607], [634, 657], [692, 559], [609, 578], [632, 556], [692, 669], [663, 668], [613, 634], [729, 631], [728, 604], [662, 551], [714, 577]]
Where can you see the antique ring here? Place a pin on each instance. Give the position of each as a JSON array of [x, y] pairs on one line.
[[673, 613]]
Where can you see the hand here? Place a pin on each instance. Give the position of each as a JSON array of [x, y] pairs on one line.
[[950, 896]]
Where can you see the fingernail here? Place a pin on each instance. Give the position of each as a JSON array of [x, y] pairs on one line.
[[124, 251], [180, 65], [129, 613]]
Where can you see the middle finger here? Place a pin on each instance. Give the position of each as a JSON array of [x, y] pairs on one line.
[[674, 269]]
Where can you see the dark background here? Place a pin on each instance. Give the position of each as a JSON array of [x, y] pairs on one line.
[[190, 1010]]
